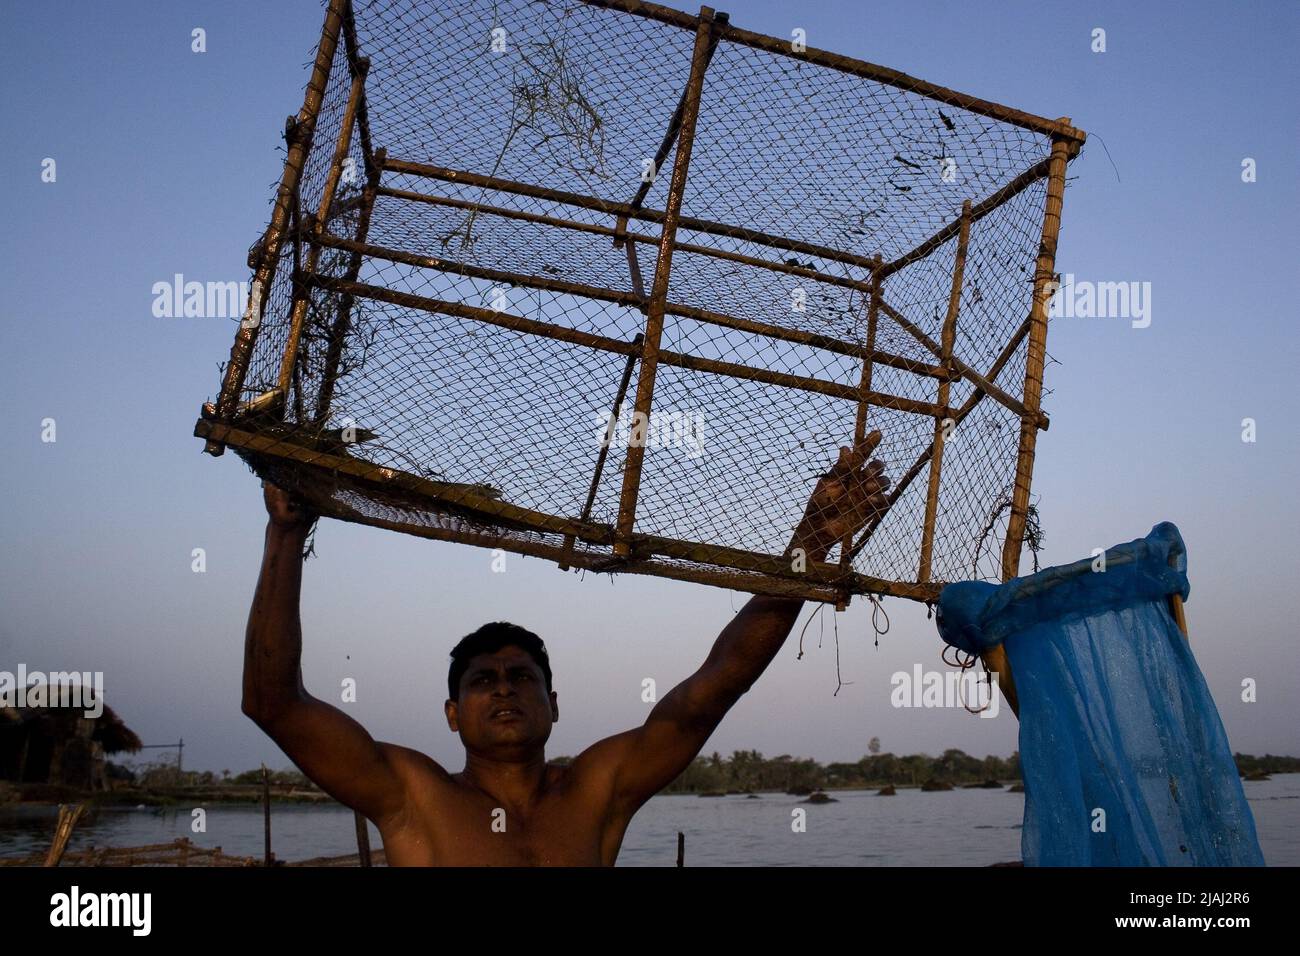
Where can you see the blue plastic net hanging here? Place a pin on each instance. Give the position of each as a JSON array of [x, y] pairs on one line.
[[1115, 715]]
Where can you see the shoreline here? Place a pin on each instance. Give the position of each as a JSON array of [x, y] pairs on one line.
[[13, 796]]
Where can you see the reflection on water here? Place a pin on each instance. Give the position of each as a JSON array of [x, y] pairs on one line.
[[954, 828]]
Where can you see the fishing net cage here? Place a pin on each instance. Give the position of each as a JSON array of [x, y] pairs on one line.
[[610, 284]]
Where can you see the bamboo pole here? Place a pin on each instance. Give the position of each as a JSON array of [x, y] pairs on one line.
[[833, 389], [613, 208], [1180, 616], [1176, 608], [505, 212], [604, 343], [303, 299], [902, 484], [363, 839], [978, 212], [269, 858], [659, 290], [679, 114], [731, 568], [949, 339], [870, 71], [812, 339], [343, 321], [69, 816], [300, 143], [383, 479], [864, 386], [359, 64], [634, 272], [1035, 358], [960, 367], [632, 299], [996, 659], [619, 397]]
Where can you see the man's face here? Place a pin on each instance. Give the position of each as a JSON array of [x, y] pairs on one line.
[[503, 705]]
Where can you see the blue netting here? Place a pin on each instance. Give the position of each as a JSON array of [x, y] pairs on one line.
[[1115, 715]]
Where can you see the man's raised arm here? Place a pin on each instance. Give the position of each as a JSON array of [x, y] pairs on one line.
[[647, 759], [328, 746]]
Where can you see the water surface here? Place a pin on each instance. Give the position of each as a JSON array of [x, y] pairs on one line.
[[954, 828]]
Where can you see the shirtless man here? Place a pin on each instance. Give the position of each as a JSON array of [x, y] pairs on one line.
[[508, 807]]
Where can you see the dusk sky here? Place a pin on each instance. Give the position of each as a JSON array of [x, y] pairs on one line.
[[166, 163]]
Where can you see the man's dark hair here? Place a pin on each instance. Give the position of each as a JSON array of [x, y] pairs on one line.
[[489, 639]]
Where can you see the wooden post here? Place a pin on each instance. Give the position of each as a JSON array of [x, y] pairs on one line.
[[864, 386], [619, 397], [996, 659], [299, 144], [269, 859], [1180, 616], [69, 816], [363, 839], [1176, 606], [22, 756], [659, 290], [1036, 356], [681, 848], [303, 297], [942, 421]]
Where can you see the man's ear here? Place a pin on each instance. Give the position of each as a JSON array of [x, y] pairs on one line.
[[453, 721], [555, 707]]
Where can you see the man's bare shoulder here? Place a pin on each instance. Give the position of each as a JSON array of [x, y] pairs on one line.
[[598, 765], [607, 750], [413, 766]]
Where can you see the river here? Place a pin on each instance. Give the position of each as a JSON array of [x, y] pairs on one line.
[[955, 828]]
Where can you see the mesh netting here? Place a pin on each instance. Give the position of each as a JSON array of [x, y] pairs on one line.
[[477, 282]]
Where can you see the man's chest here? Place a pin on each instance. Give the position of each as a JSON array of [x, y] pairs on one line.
[[456, 829]]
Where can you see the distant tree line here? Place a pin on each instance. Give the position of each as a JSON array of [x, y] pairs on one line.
[[1269, 763], [744, 770], [750, 770], [163, 775]]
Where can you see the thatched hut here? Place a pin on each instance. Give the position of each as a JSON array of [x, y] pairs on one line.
[[60, 745]]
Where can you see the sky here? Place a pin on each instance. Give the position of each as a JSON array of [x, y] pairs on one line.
[[167, 160]]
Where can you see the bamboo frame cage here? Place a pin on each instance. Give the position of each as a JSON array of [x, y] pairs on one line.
[[610, 284]]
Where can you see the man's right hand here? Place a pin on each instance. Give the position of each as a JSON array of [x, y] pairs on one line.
[[328, 746], [287, 513]]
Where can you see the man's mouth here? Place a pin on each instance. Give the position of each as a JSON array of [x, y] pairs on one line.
[[506, 712]]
